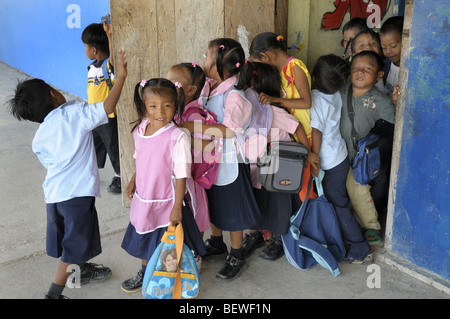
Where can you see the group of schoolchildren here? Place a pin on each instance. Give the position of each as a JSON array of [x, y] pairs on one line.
[[199, 112]]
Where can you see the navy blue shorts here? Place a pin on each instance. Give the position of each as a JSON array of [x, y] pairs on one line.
[[72, 230]]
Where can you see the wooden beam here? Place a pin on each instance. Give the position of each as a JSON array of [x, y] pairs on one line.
[[157, 34]]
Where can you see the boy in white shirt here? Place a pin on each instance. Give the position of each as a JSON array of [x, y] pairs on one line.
[[329, 75], [391, 43], [64, 145]]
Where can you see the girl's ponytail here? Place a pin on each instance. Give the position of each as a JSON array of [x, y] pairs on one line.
[[180, 102], [139, 103], [267, 41], [197, 75], [230, 56]]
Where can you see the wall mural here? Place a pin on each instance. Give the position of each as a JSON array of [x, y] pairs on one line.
[[373, 10]]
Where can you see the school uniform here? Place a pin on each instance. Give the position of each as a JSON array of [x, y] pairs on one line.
[[232, 205], [153, 200], [325, 117], [64, 145]]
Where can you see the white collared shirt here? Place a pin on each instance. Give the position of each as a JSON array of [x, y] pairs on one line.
[[326, 117], [65, 147]]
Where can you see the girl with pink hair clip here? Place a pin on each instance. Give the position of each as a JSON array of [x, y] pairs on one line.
[[232, 205]]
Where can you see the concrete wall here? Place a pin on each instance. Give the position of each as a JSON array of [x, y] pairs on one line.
[[419, 221], [43, 39]]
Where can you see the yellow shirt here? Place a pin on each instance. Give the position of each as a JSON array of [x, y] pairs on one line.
[[289, 91], [98, 90]]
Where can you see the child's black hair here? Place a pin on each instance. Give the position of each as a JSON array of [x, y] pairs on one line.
[[95, 36], [230, 56], [357, 23], [330, 74], [374, 35], [267, 41], [197, 76], [264, 78], [159, 86], [32, 101], [378, 59], [393, 24]]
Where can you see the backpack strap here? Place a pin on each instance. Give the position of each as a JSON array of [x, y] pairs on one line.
[[106, 74], [179, 240], [387, 68], [351, 115], [321, 254]]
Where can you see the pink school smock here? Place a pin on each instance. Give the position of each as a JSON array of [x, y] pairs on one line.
[[160, 159]]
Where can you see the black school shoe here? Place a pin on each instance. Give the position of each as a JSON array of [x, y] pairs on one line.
[[133, 284], [232, 269], [273, 251], [211, 250], [116, 186], [251, 242], [91, 272]]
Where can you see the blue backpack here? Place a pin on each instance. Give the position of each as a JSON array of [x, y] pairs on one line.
[[181, 281], [366, 164], [315, 236]]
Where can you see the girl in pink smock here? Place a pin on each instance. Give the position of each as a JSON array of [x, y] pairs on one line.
[[232, 205], [163, 163]]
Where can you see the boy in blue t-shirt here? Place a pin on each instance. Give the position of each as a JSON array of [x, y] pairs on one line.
[[64, 145]]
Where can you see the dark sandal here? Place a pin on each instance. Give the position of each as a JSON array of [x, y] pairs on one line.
[[374, 233]]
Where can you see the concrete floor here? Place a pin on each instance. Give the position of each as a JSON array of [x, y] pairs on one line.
[[26, 271]]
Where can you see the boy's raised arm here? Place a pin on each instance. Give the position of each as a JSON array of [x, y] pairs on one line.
[[108, 29], [113, 97]]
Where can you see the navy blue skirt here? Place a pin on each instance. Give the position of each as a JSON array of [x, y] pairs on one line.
[[233, 207], [276, 210], [143, 246]]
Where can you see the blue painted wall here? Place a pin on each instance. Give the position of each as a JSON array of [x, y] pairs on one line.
[[421, 221], [43, 38]]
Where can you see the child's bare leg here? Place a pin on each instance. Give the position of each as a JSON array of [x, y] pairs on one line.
[[59, 282], [62, 274], [215, 231], [215, 244], [236, 243]]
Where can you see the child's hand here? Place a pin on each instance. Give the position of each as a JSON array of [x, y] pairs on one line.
[[395, 94], [265, 99], [107, 27], [122, 65], [314, 160], [131, 188], [175, 216], [314, 172]]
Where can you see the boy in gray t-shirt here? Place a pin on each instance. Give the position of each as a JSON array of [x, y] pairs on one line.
[[369, 105]]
